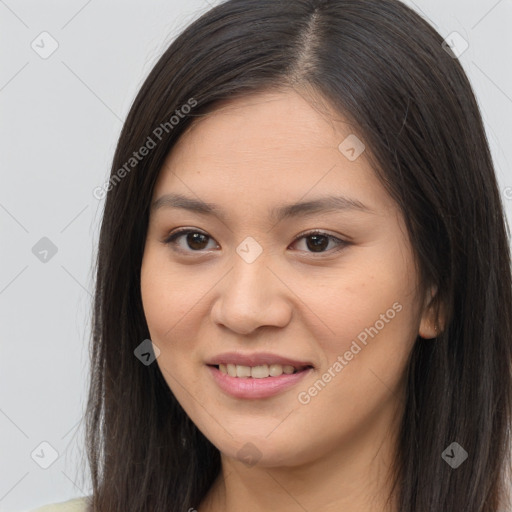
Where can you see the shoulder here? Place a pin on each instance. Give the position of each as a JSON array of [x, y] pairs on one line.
[[74, 505]]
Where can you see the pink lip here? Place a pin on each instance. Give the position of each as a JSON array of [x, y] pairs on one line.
[[249, 387], [255, 359]]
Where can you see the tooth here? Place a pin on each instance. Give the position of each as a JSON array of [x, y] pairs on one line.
[[275, 370], [259, 372], [243, 371], [256, 372]]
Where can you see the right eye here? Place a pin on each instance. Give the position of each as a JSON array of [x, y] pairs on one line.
[[195, 240]]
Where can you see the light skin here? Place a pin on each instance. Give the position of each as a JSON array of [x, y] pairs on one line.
[[256, 153]]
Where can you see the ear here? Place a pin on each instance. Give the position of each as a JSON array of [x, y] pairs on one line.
[[432, 321]]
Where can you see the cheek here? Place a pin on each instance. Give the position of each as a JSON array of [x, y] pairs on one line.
[[164, 306], [168, 296], [371, 312], [156, 299], [377, 289], [174, 311]]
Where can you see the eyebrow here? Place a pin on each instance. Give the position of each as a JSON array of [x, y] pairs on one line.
[[277, 214]]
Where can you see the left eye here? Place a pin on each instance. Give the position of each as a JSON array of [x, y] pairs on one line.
[[196, 240], [318, 240]]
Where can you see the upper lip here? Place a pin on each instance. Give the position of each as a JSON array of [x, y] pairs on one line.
[[255, 359]]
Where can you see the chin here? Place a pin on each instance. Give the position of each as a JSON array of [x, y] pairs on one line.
[[263, 450]]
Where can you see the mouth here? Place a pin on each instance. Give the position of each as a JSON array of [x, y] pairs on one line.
[[259, 381], [258, 374], [262, 371]]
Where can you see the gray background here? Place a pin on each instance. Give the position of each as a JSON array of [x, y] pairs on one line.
[[60, 118]]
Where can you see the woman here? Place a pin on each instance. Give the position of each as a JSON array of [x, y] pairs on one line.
[[303, 292]]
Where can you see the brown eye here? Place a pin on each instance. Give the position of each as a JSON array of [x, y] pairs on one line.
[[318, 241], [195, 241]]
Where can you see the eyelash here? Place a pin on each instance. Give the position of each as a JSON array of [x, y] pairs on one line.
[[171, 240]]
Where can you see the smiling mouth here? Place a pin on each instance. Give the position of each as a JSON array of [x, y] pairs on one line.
[[259, 372]]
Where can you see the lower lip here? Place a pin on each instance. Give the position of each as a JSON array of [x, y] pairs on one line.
[[249, 387]]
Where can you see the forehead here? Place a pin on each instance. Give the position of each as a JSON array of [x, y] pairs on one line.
[[288, 119], [267, 147]]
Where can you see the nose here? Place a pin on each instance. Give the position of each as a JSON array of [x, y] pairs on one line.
[[252, 295]]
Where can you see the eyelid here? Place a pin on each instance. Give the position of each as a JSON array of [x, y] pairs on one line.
[[342, 242], [170, 239]]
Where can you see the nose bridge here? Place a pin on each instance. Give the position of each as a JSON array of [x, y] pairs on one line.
[[250, 281], [251, 295]]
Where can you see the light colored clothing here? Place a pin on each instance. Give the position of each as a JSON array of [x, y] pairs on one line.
[[74, 505]]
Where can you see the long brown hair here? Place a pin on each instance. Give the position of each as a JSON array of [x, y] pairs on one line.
[[381, 66]]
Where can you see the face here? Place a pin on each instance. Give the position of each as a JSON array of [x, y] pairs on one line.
[[327, 289]]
